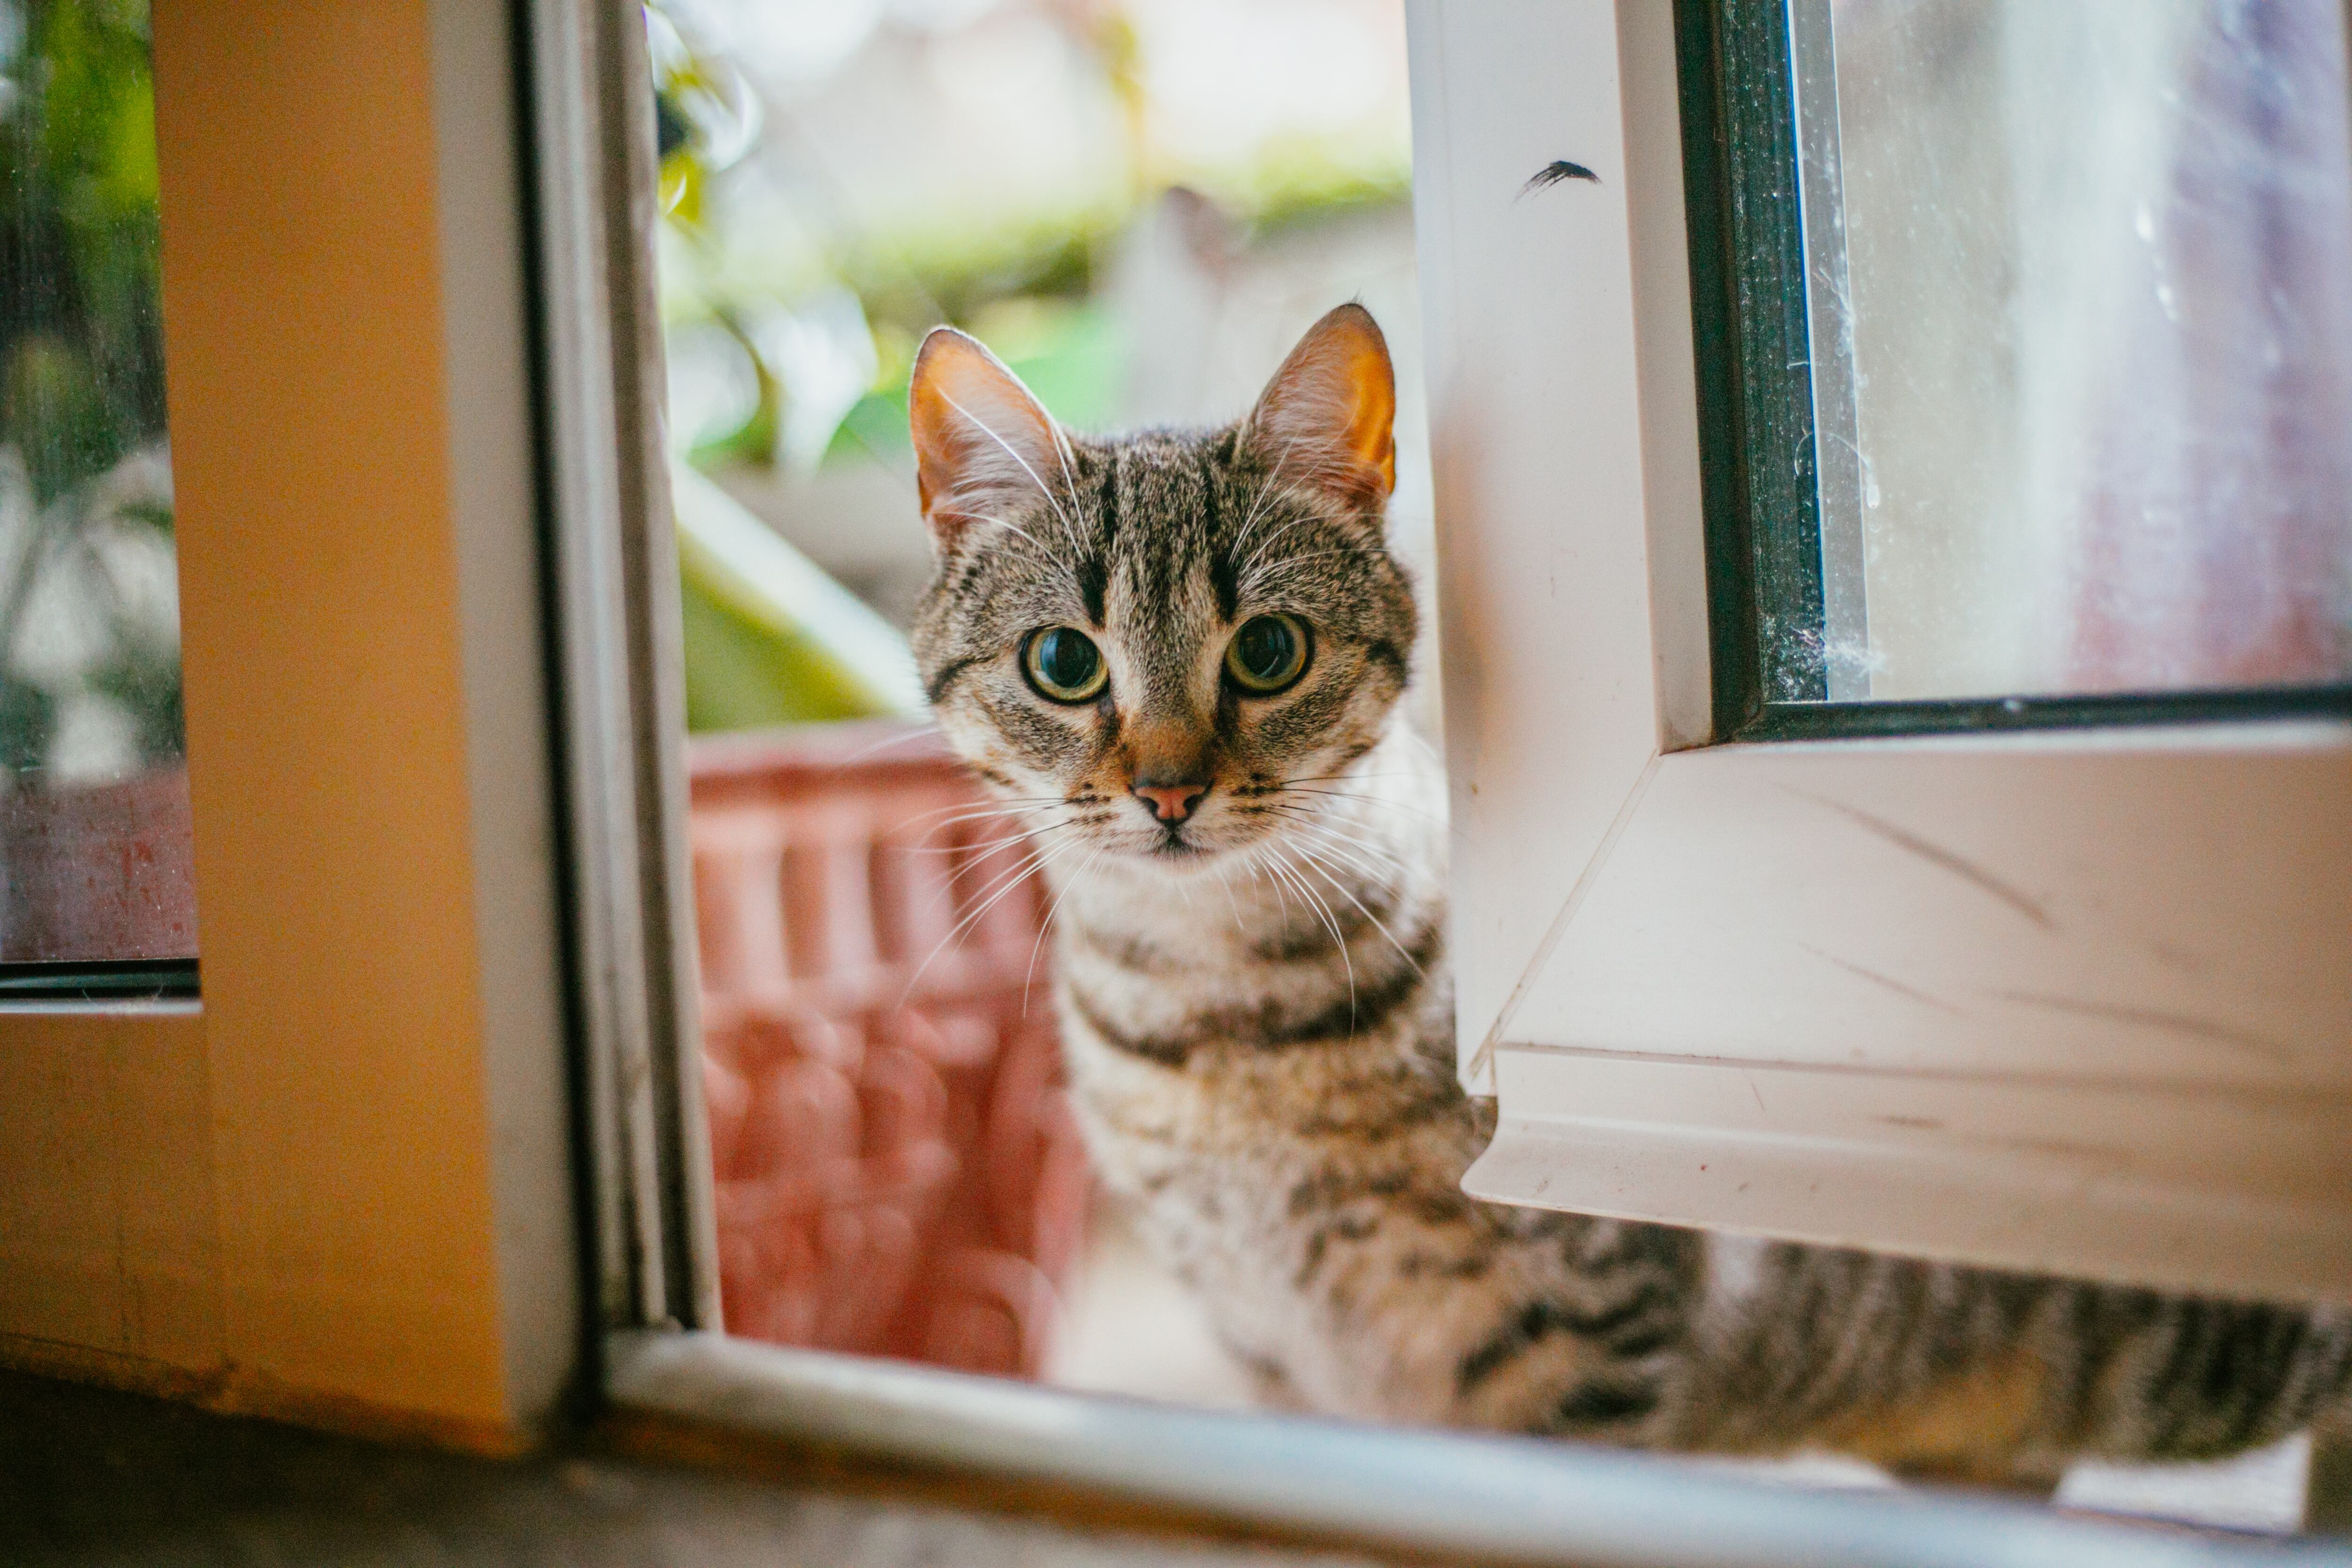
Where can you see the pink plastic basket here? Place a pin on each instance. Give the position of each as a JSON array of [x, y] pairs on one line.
[[898, 1170]]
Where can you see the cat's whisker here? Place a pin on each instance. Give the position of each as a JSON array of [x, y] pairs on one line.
[[1227, 883], [1313, 555], [1407, 808], [1333, 816], [992, 852], [1419, 813], [1259, 869], [1331, 924], [1046, 924], [1002, 846], [1378, 924], [1329, 821], [1386, 869], [1036, 860], [983, 831], [1329, 856], [1035, 866], [1373, 797], [976, 838], [1287, 874], [970, 815], [1036, 550], [1000, 807], [1007, 524], [900, 738], [1299, 798], [1345, 774], [1268, 867], [978, 850], [1351, 770], [1062, 455], [990, 838], [1249, 570], [1330, 859], [1367, 859]]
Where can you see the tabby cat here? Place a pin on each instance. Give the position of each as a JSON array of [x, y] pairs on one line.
[[1176, 657]]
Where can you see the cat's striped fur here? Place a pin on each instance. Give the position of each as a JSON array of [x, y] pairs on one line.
[[1259, 1030]]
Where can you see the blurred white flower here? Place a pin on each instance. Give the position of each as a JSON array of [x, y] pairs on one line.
[[97, 741], [939, 15], [785, 43]]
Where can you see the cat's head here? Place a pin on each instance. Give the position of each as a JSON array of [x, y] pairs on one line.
[[1164, 643]]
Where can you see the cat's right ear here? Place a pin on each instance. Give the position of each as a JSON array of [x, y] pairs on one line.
[[1329, 414], [981, 440]]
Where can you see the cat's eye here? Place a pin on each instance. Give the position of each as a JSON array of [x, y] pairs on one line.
[[1064, 664], [1267, 654]]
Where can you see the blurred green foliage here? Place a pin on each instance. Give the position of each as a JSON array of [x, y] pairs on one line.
[[1071, 354], [81, 341], [86, 569], [822, 315], [966, 273]]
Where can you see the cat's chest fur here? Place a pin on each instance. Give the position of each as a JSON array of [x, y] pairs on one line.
[[1282, 1113], [1292, 1195]]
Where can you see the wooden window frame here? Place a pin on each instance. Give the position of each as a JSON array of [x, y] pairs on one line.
[[337, 1185]]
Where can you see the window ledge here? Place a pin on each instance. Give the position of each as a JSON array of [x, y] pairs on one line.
[[2043, 1173], [1487, 1498]]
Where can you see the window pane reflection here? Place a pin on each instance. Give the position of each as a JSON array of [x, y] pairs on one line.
[[93, 791], [2081, 286]]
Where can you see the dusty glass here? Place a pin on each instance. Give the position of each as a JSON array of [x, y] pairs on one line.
[[94, 831], [2080, 287]]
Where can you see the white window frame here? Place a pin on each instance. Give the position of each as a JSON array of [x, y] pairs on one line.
[[2075, 1000]]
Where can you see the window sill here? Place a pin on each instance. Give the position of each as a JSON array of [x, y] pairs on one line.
[[1485, 1498]]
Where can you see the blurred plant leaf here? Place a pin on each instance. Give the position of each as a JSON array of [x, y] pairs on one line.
[[81, 380]]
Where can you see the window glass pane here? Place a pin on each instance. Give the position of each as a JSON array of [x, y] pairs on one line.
[[2080, 281], [93, 791]]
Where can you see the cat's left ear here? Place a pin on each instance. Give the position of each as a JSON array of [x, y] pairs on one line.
[[981, 438], [1329, 412]]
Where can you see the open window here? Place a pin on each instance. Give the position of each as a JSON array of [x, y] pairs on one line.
[[1935, 835]]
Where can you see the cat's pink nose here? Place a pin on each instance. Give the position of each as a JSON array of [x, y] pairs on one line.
[[1170, 803]]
